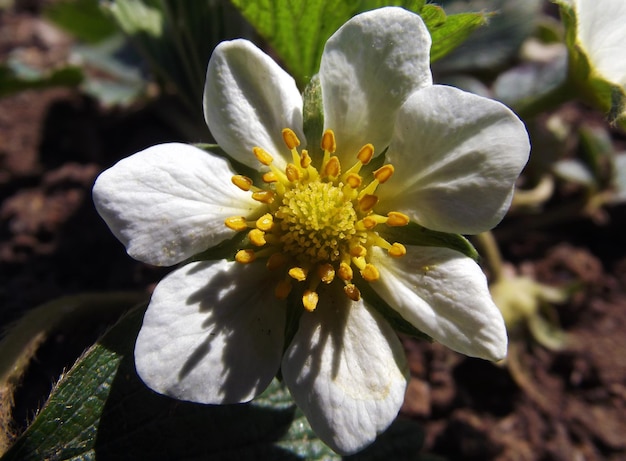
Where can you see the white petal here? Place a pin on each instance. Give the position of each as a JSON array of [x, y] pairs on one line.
[[169, 202], [213, 333], [368, 68], [444, 294], [602, 35], [457, 157], [248, 100], [346, 370]]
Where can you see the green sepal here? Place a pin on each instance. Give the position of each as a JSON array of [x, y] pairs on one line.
[[592, 87], [313, 118], [414, 234]]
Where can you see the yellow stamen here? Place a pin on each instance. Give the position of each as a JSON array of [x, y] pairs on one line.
[[320, 222], [263, 196], [328, 141], [298, 273], [257, 237], [262, 156], [370, 273], [305, 159], [369, 222], [309, 300], [384, 173], [365, 154], [242, 182], [397, 250], [245, 256], [397, 219], [269, 177], [354, 180], [326, 273], [367, 202], [345, 272], [265, 222], [358, 251], [292, 172], [333, 168], [290, 139], [236, 223], [352, 292]]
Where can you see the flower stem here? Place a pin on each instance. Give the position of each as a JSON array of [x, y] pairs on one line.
[[489, 250]]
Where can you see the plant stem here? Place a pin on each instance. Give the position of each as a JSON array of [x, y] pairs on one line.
[[489, 250]]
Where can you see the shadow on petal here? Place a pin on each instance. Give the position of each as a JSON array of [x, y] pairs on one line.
[[244, 325]]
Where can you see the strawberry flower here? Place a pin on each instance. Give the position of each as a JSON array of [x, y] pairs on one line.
[[317, 228]]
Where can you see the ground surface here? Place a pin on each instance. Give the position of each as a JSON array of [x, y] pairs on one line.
[[567, 405]]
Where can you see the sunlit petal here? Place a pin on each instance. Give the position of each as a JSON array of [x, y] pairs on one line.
[[169, 202]]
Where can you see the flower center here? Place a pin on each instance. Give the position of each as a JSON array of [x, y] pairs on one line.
[[316, 220], [319, 223]]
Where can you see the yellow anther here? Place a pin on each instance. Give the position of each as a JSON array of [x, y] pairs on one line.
[[366, 203], [257, 237], [397, 219], [345, 272], [354, 180], [365, 154], [305, 159], [262, 155], [242, 182], [326, 272], [263, 196], [265, 222], [332, 169], [370, 273], [269, 177], [236, 223], [369, 222], [352, 292], [309, 300], [358, 251], [397, 250], [283, 288], [328, 141], [298, 273], [384, 173], [276, 261], [292, 172], [245, 256], [290, 138]]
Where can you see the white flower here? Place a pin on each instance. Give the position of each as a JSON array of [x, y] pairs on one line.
[[601, 34], [214, 331]]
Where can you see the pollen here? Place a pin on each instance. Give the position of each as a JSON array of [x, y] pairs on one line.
[[317, 222]]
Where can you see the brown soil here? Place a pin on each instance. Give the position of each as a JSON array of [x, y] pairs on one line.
[[543, 405]]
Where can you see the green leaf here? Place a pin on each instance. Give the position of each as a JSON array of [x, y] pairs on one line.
[[84, 19], [414, 234], [101, 410], [299, 29], [493, 46], [448, 32]]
